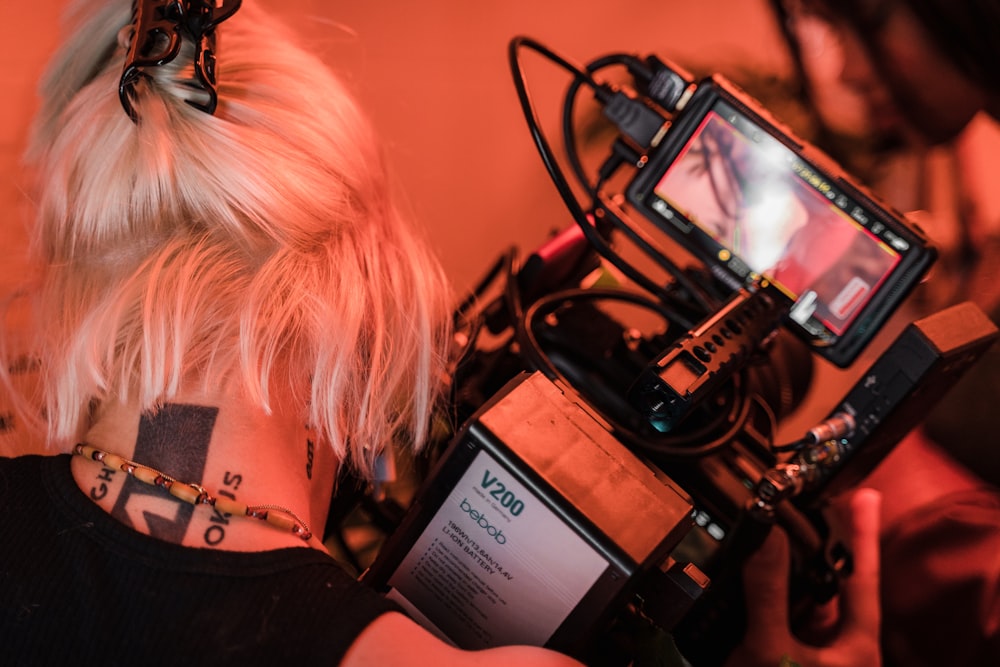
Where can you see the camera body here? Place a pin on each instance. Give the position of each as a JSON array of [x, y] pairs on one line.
[[608, 475]]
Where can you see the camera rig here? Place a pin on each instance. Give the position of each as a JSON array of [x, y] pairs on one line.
[[621, 388]]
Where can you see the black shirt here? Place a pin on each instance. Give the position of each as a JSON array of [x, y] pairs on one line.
[[78, 587]]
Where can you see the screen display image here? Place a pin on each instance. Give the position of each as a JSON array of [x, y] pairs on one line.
[[764, 211]]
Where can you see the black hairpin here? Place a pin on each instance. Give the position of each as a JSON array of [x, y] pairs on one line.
[[158, 28]]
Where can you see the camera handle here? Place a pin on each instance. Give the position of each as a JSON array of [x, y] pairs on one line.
[[703, 359]]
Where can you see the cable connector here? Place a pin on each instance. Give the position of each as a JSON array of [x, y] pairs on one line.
[[639, 122], [621, 153], [837, 426], [667, 84]]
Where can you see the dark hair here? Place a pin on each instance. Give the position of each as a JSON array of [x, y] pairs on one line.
[[966, 31]]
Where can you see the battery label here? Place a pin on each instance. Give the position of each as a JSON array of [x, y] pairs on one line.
[[495, 566]]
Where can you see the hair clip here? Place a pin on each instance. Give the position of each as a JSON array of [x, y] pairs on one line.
[[158, 26]]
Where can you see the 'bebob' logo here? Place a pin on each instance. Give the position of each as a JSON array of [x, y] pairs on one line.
[[477, 516]]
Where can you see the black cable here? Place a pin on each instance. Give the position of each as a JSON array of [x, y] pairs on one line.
[[597, 241], [796, 446], [569, 109], [738, 415], [732, 415], [532, 351], [477, 292], [524, 329], [551, 163], [703, 301], [772, 418], [512, 294]]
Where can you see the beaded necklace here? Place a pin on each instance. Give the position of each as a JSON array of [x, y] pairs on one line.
[[195, 494]]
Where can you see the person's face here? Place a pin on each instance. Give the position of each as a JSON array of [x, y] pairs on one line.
[[910, 89]]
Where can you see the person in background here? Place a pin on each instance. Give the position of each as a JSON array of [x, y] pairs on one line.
[[769, 641], [923, 74]]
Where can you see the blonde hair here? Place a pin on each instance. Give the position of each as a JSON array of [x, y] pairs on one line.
[[260, 242]]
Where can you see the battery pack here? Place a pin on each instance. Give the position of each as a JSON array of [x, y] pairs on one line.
[[534, 527]]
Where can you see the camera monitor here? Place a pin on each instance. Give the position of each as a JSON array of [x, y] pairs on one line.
[[752, 201]]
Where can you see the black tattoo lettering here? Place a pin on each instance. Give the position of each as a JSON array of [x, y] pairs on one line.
[[229, 479], [98, 492], [218, 516], [214, 535]]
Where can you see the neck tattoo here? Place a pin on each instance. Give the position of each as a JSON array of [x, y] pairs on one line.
[[195, 494]]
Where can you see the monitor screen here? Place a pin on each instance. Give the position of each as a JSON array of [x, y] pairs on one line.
[[765, 211]]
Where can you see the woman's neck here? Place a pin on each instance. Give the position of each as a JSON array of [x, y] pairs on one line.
[[232, 449]]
